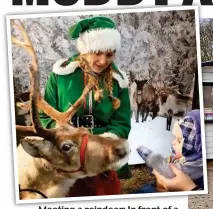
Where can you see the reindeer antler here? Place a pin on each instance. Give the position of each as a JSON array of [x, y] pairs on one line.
[[64, 117], [36, 101], [26, 44], [34, 82]]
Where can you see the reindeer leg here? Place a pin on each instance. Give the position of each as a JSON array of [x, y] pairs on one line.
[[169, 119], [146, 113], [138, 113], [142, 114], [170, 122], [154, 114], [167, 123], [135, 114]]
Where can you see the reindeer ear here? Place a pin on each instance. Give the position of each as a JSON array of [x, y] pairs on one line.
[[40, 148], [31, 145]]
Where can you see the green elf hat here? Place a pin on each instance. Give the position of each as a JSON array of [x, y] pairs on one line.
[[95, 34]]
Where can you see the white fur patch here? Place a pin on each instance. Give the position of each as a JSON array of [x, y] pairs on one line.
[[99, 40], [124, 160], [33, 138], [120, 163], [109, 134], [70, 68], [61, 189], [123, 82]]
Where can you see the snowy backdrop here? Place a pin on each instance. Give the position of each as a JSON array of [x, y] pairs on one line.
[[160, 45]]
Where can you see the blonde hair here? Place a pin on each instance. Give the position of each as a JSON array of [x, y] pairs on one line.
[[106, 76]]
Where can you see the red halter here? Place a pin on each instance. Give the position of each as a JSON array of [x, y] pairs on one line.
[[82, 155], [82, 152]]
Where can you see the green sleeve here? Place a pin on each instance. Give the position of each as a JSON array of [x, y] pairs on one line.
[[120, 123], [51, 96]]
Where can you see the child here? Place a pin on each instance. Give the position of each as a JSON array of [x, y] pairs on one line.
[[186, 152]]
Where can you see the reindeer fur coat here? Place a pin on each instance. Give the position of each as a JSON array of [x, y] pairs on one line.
[[64, 87]]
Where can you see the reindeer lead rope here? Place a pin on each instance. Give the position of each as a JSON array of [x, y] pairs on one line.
[[32, 190]]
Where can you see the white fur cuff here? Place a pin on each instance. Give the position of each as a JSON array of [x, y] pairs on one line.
[[109, 134]]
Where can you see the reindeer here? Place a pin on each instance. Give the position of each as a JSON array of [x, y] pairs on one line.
[[149, 102], [171, 102], [51, 160], [146, 99], [169, 119], [139, 97], [22, 113]]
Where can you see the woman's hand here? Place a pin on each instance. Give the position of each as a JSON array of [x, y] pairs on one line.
[[181, 182]]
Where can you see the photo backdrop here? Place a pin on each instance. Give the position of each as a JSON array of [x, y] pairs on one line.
[[154, 44]]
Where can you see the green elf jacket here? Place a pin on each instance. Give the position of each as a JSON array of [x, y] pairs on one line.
[[65, 86]]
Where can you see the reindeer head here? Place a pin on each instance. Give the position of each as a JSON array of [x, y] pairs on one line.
[[163, 97], [79, 154], [140, 85], [67, 149], [163, 90]]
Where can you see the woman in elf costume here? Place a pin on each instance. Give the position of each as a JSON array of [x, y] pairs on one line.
[[106, 110]]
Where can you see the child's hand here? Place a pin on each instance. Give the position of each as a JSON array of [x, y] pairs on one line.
[[181, 181]]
